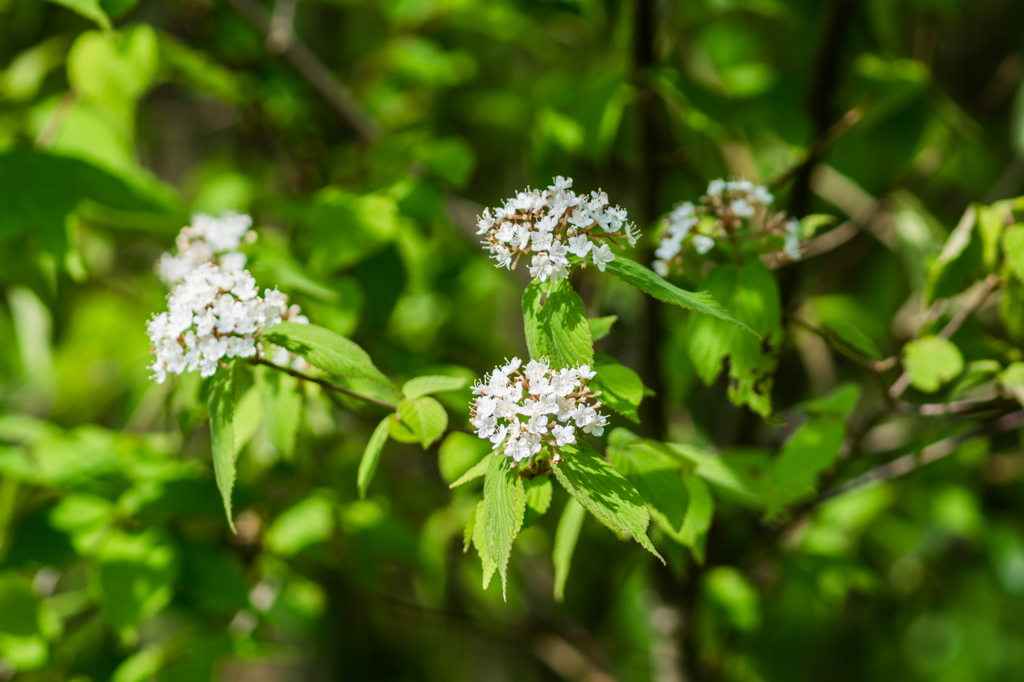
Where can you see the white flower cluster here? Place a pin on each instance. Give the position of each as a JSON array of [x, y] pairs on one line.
[[520, 411], [552, 225], [213, 314], [207, 240], [732, 204]]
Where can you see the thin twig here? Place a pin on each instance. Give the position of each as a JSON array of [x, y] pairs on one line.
[[973, 303], [876, 366], [329, 384], [314, 71], [934, 452]]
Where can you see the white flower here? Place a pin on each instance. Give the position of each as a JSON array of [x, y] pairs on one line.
[[792, 245], [552, 225], [602, 256], [521, 412], [211, 315], [580, 246], [207, 240], [660, 267], [702, 243], [741, 208]]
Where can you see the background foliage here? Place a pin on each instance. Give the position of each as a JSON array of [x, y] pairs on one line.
[[364, 137]]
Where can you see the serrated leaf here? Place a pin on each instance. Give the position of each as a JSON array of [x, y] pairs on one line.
[[221, 401], [421, 386], [658, 477], [750, 293], [931, 362], [538, 499], [90, 9], [282, 407], [643, 279], [698, 516], [501, 516], [810, 450], [621, 388], [371, 455], [488, 565], [604, 492], [425, 417], [323, 348], [558, 329], [851, 341], [478, 470], [600, 327], [566, 535]]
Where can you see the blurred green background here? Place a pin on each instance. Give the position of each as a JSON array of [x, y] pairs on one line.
[[364, 137]]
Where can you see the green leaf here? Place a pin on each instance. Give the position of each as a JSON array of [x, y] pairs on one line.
[[425, 418], [931, 362], [719, 471], [41, 190], [1011, 308], [851, 341], [475, 472], [420, 386], [133, 577], [282, 406], [221, 401], [90, 9], [728, 590], [488, 565], [399, 432], [604, 492], [371, 455], [750, 293], [838, 403], [302, 525], [330, 352], [557, 330], [643, 279], [960, 263], [698, 516], [114, 71], [1012, 380], [538, 499], [248, 416], [658, 477], [459, 453], [198, 70], [810, 450], [346, 228], [600, 327], [501, 516], [566, 535], [621, 388], [1013, 249]]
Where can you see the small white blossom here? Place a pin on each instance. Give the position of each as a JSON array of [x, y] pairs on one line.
[[213, 314], [602, 256], [520, 412], [552, 225], [208, 239], [792, 246], [737, 207], [702, 244]]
